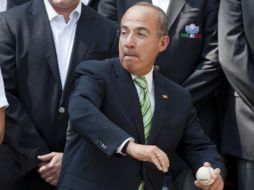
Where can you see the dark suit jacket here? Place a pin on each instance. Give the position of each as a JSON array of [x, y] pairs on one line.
[[93, 4], [190, 62], [36, 119], [236, 37], [104, 111], [13, 3]]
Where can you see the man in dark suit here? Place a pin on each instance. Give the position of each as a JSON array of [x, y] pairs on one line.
[[41, 43], [122, 134], [236, 45], [191, 59]]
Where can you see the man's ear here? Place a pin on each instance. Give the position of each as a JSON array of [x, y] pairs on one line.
[[164, 43]]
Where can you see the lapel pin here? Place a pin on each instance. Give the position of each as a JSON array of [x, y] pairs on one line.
[[164, 96]]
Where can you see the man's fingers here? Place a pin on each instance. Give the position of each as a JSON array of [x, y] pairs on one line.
[[54, 182], [156, 161], [207, 164], [45, 157], [50, 179], [149, 153], [163, 159], [48, 174], [166, 160], [44, 169], [160, 159], [217, 184]]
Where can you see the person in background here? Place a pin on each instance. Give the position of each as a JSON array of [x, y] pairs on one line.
[[191, 60], [236, 47], [119, 116], [3, 105], [41, 42]]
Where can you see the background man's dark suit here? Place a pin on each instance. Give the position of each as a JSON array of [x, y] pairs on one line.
[[36, 119], [105, 89], [236, 39], [190, 62], [13, 3], [93, 4]]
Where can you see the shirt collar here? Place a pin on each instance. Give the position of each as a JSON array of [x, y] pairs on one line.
[[75, 14], [149, 79]]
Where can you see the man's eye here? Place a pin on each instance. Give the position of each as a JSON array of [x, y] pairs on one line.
[[141, 35], [124, 33]]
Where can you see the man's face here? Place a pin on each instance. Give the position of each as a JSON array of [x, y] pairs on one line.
[[64, 4], [140, 41]]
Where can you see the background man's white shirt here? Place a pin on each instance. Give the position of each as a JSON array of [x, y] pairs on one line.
[[64, 34], [163, 4], [85, 2], [3, 5]]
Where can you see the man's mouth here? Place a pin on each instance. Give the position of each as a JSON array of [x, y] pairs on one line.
[[129, 54]]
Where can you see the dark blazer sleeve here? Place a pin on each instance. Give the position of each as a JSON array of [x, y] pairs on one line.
[[206, 76], [21, 133], [195, 144], [86, 117], [237, 47]]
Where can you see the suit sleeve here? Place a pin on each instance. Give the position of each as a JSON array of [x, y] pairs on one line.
[[21, 133], [195, 144], [86, 116], [108, 9], [236, 56], [206, 76]]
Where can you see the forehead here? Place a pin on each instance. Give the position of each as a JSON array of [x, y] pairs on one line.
[[140, 17]]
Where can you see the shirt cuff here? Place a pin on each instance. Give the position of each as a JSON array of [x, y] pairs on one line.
[[119, 149]]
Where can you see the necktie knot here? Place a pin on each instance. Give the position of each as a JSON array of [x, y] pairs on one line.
[[141, 82]]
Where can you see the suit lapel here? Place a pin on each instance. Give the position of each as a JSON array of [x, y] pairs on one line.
[[174, 10], [42, 35], [162, 99], [130, 98], [83, 38]]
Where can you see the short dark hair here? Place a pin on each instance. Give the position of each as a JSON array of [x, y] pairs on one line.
[[163, 17]]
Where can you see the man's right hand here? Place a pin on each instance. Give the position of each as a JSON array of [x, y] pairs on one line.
[[50, 166], [149, 153]]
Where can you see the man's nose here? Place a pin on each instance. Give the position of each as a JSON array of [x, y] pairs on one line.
[[130, 41]]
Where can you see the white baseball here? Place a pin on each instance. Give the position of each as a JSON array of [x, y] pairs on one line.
[[204, 175]]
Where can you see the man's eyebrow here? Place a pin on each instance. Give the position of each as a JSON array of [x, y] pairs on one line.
[[141, 28]]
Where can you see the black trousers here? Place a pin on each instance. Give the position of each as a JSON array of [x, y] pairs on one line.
[[245, 174]]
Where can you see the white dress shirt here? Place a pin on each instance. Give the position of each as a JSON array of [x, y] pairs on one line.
[[163, 4], [63, 34], [3, 5], [3, 100], [150, 86], [85, 1]]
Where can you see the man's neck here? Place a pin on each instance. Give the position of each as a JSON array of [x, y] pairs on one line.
[[65, 12]]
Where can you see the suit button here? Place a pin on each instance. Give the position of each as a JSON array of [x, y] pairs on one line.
[[61, 110]]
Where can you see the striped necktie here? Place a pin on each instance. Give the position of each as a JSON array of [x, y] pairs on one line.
[[146, 110], [145, 103]]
